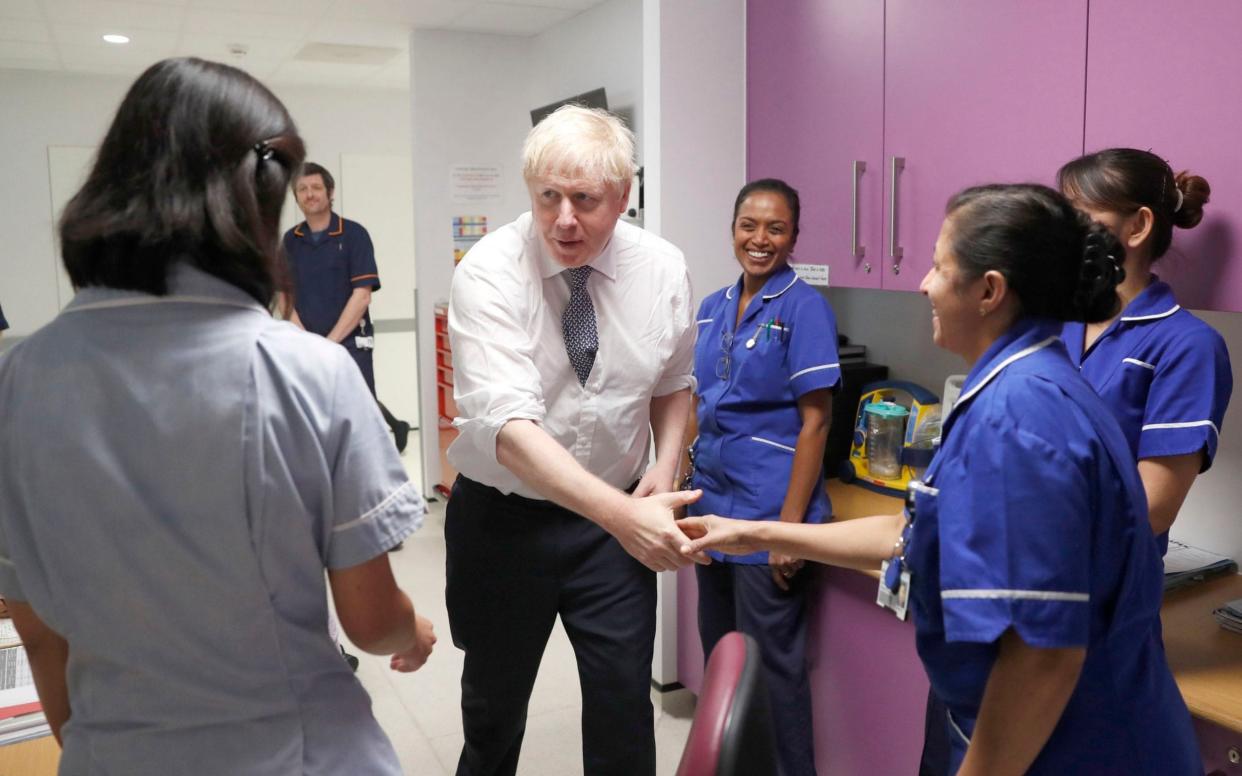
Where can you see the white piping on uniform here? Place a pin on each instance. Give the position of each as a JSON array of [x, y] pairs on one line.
[[374, 511], [703, 321], [801, 372], [1016, 595], [132, 302], [1164, 314], [1188, 424], [1136, 362], [770, 442], [956, 729], [783, 290], [729, 292], [996, 370], [924, 488]]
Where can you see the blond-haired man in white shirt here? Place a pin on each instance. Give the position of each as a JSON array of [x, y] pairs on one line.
[[572, 337]]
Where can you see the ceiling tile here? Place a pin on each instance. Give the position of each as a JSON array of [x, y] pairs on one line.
[[361, 33], [118, 16], [258, 25], [218, 47], [27, 30], [20, 9], [577, 5], [411, 13], [300, 9], [510, 19], [27, 50]]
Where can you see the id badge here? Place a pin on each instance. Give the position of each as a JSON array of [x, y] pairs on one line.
[[364, 343], [897, 600]]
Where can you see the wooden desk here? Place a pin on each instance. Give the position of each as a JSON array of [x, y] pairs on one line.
[[39, 757]]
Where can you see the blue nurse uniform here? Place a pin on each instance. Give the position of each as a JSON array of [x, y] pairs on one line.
[[1033, 517], [327, 266], [1164, 373], [749, 381]]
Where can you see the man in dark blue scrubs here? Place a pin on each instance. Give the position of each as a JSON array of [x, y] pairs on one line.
[[334, 275]]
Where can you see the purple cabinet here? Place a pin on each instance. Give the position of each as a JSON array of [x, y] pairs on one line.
[[975, 91], [815, 117], [1165, 76], [868, 688], [841, 93]]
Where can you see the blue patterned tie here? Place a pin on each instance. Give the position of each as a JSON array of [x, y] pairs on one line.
[[578, 324]]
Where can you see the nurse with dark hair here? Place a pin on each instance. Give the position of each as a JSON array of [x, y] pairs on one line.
[[178, 470], [1164, 373], [766, 364], [1025, 555]]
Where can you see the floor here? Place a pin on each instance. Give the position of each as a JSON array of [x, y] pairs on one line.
[[421, 711]]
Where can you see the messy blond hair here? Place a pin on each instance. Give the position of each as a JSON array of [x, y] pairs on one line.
[[580, 142]]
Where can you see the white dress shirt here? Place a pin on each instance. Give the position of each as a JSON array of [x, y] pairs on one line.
[[509, 359]]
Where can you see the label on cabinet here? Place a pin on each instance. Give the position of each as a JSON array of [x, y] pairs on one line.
[[813, 274]]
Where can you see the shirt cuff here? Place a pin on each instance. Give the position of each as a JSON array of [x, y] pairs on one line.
[[478, 436], [1042, 619], [815, 377], [379, 530], [669, 385], [1161, 439]]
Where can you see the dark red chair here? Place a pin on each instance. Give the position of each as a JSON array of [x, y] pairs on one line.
[[732, 730]]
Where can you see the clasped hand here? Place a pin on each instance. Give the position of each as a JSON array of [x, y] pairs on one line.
[[648, 531]]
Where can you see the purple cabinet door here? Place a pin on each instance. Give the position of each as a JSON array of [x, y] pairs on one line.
[[976, 91], [1166, 76], [815, 112]]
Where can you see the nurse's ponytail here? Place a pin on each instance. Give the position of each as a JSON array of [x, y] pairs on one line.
[[1057, 262]]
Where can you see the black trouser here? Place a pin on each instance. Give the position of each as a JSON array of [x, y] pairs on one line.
[[514, 564], [935, 759], [733, 597]]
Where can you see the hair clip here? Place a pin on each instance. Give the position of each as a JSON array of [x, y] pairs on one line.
[[264, 151], [1180, 199]]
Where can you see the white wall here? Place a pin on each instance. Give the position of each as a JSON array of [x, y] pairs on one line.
[[44, 109], [895, 327], [695, 129]]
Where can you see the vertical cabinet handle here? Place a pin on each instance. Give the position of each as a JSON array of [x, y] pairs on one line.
[[856, 250], [894, 249]]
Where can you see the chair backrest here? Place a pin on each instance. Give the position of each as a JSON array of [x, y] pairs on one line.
[[732, 730]]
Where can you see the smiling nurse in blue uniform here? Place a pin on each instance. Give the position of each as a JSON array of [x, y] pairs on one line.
[[1026, 554], [1163, 372], [766, 363]]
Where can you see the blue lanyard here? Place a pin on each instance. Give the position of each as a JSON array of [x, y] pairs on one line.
[[897, 563]]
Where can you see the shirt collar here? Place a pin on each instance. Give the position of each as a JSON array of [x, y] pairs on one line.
[[1026, 336], [184, 282], [778, 283], [1154, 302], [605, 263], [336, 227]]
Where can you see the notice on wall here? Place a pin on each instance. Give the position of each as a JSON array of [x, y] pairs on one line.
[[813, 274], [472, 184]]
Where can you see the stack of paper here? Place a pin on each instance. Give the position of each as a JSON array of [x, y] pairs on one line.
[[1184, 564], [21, 715], [1230, 616]]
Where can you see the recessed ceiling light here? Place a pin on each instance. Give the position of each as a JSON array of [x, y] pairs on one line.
[[118, 39]]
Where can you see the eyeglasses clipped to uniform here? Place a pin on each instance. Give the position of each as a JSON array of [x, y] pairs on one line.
[[726, 359]]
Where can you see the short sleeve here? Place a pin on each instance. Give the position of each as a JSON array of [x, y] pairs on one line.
[[1189, 394], [813, 359], [374, 503], [362, 270], [678, 372], [1014, 540], [494, 374]]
